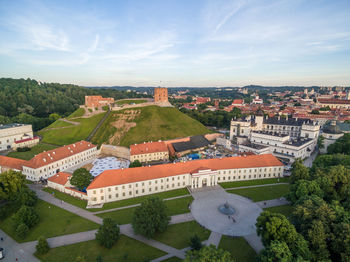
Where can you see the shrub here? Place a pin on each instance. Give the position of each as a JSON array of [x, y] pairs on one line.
[[22, 230], [42, 247]]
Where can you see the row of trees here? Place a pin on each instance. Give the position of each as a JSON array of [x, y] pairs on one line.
[[220, 118], [319, 227]]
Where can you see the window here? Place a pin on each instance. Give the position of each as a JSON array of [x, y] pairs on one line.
[[94, 192], [116, 188], [130, 193], [110, 196], [102, 197], [116, 195], [143, 191], [129, 186], [101, 191], [109, 189], [123, 193]]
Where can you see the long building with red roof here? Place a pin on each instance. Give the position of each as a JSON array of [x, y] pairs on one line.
[[117, 184], [151, 151], [48, 163]]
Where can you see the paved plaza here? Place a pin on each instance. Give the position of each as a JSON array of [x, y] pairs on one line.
[[204, 209]]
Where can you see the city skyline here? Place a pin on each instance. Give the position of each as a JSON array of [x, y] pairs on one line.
[[180, 43]]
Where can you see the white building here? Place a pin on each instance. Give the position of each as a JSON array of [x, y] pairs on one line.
[[286, 137], [146, 152], [113, 185], [47, 164], [11, 133]]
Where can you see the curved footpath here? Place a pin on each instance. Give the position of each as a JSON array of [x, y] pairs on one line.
[[25, 251]]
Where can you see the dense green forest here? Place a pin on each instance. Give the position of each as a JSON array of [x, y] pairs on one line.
[[319, 227], [29, 101]]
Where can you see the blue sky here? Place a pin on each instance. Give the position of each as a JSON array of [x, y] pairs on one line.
[[177, 43]]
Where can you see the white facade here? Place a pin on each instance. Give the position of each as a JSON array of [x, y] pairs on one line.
[[201, 177], [290, 138], [13, 132], [156, 156], [46, 171]]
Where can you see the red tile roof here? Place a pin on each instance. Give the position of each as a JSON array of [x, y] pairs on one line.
[[59, 153], [333, 101], [60, 178], [146, 148], [238, 102], [12, 163], [130, 175]]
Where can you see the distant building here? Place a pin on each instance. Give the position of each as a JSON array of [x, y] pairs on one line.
[[160, 94], [238, 102], [12, 133], [147, 152], [94, 102], [285, 137], [334, 103]]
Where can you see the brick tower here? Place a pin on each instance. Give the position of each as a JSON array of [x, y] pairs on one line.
[[160, 94]]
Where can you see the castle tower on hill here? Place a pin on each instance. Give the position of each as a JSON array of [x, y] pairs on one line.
[[160, 94]]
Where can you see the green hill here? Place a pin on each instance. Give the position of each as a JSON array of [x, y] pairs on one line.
[[151, 123], [63, 133]]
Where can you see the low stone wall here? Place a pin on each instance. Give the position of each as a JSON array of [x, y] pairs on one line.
[[117, 151], [161, 104]]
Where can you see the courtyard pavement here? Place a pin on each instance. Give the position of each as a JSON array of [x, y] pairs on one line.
[[205, 211]]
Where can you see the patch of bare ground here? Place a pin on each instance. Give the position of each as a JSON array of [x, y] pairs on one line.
[[123, 123]]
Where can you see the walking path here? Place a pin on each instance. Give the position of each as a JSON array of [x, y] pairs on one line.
[[135, 205], [243, 187], [214, 239], [26, 250], [73, 209], [273, 203], [13, 250]]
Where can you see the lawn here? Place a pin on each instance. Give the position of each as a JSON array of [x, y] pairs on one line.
[[285, 210], [137, 200], [54, 221], [58, 123], [33, 151], [179, 235], [124, 216], [255, 182], [123, 102], [105, 131], [239, 248], [72, 134], [126, 249], [178, 206], [262, 193], [77, 113], [66, 198]]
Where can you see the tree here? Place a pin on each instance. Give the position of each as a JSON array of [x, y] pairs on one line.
[[108, 233], [276, 227], [22, 230], [42, 247], [315, 112], [54, 116], [25, 197], [150, 217], [27, 216], [320, 142], [299, 171], [317, 239], [276, 252], [136, 163], [81, 178], [207, 254], [304, 188], [196, 243], [10, 183]]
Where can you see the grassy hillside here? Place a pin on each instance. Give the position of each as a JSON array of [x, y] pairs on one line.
[[149, 123], [67, 134]]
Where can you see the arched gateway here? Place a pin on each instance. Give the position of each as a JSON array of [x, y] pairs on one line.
[[203, 177]]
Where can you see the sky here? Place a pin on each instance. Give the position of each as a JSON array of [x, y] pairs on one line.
[[177, 43]]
